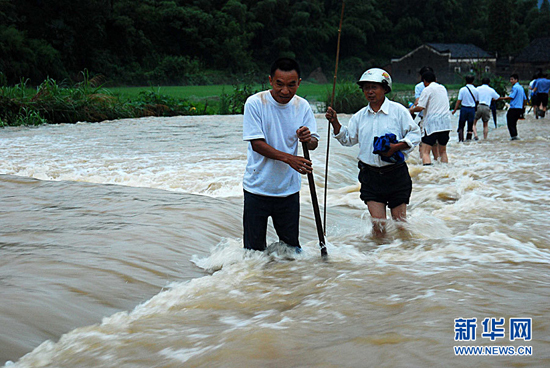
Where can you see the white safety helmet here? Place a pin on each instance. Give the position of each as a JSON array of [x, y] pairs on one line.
[[376, 75]]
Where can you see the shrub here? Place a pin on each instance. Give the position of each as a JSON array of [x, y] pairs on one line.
[[230, 104], [153, 103], [348, 98], [85, 101], [500, 84], [28, 116]]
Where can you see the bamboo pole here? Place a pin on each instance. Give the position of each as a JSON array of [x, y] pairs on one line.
[[328, 129]]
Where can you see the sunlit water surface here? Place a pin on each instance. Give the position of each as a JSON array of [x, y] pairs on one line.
[[120, 246]]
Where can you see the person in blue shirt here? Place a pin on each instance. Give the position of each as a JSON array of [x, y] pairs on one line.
[[532, 98], [517, 100], [540, 89]]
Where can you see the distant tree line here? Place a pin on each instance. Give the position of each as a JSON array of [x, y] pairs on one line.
[[140, 42]]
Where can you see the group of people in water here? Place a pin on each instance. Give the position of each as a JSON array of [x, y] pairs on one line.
[[477, 103], [276, 120], [538, 93]]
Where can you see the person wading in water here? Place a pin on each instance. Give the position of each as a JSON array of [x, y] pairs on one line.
[[384, 176]]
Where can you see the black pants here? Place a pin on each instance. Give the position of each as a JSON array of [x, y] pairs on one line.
[[512, 118], [467, 114], [284, 211]]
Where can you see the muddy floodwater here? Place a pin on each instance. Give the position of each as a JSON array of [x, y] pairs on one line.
[[120, 246]]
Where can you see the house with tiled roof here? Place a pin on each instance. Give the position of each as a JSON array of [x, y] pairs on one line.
[[449, 61], [533, 57]]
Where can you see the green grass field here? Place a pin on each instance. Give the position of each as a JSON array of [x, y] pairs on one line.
[[311, 91], [308, 90]]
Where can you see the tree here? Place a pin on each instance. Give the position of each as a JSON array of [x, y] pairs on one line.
[[500, 25], [181, 41]]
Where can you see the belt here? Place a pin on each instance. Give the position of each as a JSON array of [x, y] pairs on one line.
[[381, 169]]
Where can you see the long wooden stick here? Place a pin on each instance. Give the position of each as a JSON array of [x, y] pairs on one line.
[[315, 204], [328, 129]]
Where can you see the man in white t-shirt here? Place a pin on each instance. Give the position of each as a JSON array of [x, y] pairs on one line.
[[434, 101], [486, 96], [417, 92], [274, 122]]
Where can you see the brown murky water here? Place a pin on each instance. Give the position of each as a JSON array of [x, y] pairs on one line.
[[120, 247]]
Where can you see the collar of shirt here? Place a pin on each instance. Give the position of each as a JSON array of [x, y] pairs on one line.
[[517, 96], [384, 108]]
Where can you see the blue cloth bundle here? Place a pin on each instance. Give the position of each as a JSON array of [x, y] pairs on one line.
[[382, 144]]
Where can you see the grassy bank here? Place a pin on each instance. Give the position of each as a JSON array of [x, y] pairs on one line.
[[311, 91], [348, 97], [308, 90], [54, 102]]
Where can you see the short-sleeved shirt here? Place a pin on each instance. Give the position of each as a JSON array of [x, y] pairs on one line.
[[417, 92], [435, 100], [366, 124], [518, 96], [276, 123], [531, 86], [542, 85], [466, 97], [486, 94]]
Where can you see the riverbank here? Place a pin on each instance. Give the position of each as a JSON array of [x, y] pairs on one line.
[[55, 103], [88, 101]]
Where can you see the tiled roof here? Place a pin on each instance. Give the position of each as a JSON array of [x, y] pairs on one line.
[[461, 50], [537, 52]]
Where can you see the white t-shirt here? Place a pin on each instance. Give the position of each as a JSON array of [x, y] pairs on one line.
[[466, 97], [265, 118], [435, 101], [531, 86], [486, 94], [366, 124], [417, 92]]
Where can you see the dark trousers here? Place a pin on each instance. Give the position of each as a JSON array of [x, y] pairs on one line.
[[467, 114], [512, 118], [284, 211]]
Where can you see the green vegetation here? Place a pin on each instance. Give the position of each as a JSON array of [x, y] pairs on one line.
[[53, 102], [86, 101], [307, 90], [220, 50]]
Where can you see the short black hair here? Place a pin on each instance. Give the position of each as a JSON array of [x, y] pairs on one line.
[[469, 79], [428, 76], [425, 69], [286, 65], [515, 76], [485, 81]]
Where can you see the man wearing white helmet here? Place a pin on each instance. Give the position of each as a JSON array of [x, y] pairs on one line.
[[384, 176]]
